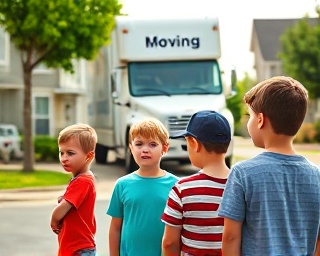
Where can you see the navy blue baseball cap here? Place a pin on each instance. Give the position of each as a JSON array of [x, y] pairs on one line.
[[206, 126]]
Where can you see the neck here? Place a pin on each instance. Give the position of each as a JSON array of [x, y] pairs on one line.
[[280, 144], [216, 167], [152, 173], [87, 172]]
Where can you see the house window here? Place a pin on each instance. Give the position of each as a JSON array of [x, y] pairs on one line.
[[42, 69], [4, 48], [273, 70], [41, 117]]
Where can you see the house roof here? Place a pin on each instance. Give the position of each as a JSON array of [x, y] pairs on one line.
[[268, 33]]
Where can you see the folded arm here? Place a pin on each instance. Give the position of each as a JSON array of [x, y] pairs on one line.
[[58, 214]]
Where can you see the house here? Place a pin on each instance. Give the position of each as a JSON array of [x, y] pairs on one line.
[[266, 44], [58, 98]]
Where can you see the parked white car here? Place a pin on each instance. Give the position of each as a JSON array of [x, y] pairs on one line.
[[10, 143]]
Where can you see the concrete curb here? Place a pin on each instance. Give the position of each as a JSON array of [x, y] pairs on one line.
[[103, 190], [33, 189]]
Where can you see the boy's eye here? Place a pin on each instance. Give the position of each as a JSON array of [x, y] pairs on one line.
[[153, 144]]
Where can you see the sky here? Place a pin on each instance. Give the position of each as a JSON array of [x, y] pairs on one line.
[[235, 19]]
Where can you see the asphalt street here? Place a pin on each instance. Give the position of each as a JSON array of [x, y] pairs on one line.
[[25, 229]]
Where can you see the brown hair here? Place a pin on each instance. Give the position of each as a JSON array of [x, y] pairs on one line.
[[283, 100], [149, 128], [218, 148], [86, 135]]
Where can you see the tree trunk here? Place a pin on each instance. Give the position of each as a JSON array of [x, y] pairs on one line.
[[28, 159]]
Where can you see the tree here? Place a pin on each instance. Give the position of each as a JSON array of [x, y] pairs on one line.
[[54, 32], [236, 104], [300, 54]]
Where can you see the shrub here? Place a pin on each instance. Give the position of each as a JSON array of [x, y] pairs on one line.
[[46, 148], [317, 129], [237, 106], [306, 134]]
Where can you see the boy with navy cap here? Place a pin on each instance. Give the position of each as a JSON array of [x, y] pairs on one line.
[[193, 227]]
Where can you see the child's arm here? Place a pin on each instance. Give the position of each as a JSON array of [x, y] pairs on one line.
[[114, 236], [231, 238], [57, 215], [171, 245]]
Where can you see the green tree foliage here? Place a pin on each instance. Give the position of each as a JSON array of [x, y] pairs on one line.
[[235, 103], [54, 32], [300, 54]]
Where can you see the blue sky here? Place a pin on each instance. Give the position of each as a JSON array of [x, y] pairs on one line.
[[235, 17]]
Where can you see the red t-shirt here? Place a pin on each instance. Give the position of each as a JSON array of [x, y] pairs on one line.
[[79, 224]]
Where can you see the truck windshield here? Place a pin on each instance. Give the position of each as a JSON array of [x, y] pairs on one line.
[[174, 78]]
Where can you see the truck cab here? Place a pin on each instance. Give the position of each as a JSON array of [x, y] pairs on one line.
[[168, 69]]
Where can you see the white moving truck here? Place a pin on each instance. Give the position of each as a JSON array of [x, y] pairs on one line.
[[164, 68]]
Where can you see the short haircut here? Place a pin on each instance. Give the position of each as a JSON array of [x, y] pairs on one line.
[[218, 148], [149, 128], [283, 100], [86, 135]]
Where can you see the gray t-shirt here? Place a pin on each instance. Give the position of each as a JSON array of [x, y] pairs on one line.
[[277, 197]]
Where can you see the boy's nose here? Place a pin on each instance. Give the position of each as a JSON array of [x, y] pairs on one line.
[[63, 158], [145, 149]]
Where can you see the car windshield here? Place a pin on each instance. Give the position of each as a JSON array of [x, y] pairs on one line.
[[174, 78], [6, 132]]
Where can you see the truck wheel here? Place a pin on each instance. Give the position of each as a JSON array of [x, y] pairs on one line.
[[228, 161], [101, 154], [131, 165]]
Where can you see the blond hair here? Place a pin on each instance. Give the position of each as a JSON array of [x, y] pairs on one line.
[[86, 135], [149, 128]]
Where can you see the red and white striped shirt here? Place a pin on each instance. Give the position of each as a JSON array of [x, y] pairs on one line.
[[193, 204]]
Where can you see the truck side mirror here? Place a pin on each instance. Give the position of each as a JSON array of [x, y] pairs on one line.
[[115, 95], [229, 78], [114, 91], [233, 81]]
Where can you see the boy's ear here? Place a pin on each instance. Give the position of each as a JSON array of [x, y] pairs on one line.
[[194, 144], [90, 155], [261, 120], [165, 149]]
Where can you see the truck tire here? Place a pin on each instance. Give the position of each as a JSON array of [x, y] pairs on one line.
[[101, 154], [130, 164]]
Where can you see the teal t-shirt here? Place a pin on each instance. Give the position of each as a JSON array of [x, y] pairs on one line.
[[140, 202]]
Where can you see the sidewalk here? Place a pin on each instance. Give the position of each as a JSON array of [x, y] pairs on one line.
[[244, 148]]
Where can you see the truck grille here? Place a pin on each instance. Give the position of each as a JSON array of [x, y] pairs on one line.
[[176, 123]]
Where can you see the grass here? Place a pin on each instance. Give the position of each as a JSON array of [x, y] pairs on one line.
[[236, 159], [10, 179]]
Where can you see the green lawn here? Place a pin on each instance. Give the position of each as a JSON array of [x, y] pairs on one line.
[[17, 179]]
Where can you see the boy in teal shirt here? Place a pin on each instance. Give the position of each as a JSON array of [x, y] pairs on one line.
[[139, 198]]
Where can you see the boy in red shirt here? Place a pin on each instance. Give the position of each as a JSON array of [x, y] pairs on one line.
[[73, 219]]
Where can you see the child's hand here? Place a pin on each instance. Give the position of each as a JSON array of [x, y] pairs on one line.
[[56, 229]]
